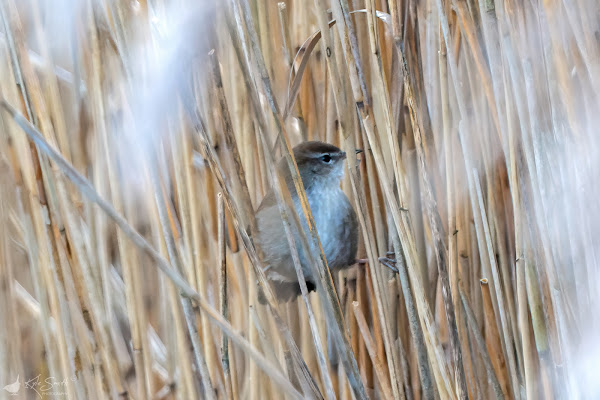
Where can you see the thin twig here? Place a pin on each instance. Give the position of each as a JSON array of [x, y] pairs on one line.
[[186, 290]]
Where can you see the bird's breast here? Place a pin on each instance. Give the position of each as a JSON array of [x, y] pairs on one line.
[[330, 210]]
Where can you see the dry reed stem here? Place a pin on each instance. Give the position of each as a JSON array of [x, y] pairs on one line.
[[189, 314], [186, 290], [514, 82], [322, 271], [437, 233], [224, 295], [377, 364], [415, 328], [342, 106], [299, 364], [306, 379], [472, 323]]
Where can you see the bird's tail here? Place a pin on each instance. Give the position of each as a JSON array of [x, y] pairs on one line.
[[285, 291]]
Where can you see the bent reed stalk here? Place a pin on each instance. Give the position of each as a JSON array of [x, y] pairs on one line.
[[139, 137]]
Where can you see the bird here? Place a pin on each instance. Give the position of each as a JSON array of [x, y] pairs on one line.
[[321, 167], [14, 387]]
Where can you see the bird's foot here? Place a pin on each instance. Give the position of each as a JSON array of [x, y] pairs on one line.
[[389, 261]]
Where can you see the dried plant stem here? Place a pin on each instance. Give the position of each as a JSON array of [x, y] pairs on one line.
[[524, 328], [307, 380], [475, 187], [438, 237], [231, 142], [413, 320], [188, 312], [377, 364], [223, 294], [461, 104], [403, 229], [472, 323], [496, 279], [342, 107], [322, 271], [186, 290], [270, 166], [494, 344]]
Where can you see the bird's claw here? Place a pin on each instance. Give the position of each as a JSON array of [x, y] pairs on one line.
[[389, 262]]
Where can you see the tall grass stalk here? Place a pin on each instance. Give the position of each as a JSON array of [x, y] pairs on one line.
[[138, 139]]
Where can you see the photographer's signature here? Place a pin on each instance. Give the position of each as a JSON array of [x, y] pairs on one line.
[[49, 386]]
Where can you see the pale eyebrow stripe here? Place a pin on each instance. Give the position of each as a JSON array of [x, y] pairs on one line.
[[317, 155]]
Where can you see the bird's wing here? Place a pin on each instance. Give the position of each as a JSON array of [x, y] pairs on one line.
[[284, 173]]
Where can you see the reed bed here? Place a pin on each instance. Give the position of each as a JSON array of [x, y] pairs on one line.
[[139, 137]]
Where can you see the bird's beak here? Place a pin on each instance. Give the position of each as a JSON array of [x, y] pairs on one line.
[[343, 155], [358, 151]]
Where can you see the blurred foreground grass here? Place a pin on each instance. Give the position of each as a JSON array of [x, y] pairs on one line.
[[479, 120]]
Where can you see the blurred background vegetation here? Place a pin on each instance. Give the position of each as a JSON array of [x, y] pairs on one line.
[[138, 137]]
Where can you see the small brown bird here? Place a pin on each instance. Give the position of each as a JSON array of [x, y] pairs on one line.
[[321, 167]]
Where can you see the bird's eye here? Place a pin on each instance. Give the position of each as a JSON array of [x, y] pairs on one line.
[[326, 158]]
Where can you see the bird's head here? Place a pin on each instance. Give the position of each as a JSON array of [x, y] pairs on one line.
[[319, 162]]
